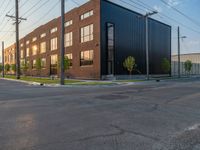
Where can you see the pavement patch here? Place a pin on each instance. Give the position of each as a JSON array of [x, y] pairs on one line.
[[112, 97]]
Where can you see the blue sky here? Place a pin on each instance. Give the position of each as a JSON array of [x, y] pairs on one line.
[[49, 9]]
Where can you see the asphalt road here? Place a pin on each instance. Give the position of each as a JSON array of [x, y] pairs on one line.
[[153, 116]]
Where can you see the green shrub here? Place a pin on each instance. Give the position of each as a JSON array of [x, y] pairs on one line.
[[166, 66], [188, 66]]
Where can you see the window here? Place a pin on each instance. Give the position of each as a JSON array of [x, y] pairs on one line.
[[54, 59], [27, 64], [22, 54], [22, 62], [110, 48], [43, 63], [87, 58], [69, 56], [34, 50], [87, 33], [87, 14], [43, 47], [22, 44], [42, 35], [34, 64], [53, 66], [27, 52], [27, 42], [54, 30], [68, 39], [34, 39], [53, 44], [68, 23]]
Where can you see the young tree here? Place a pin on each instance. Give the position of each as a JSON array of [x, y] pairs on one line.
[[165, 66], [24, 67], [66, 63], [7, 68], [13, 67], [188, 66], [39, 65], [129, 64]]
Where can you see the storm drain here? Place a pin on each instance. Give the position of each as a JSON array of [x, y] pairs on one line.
[[112, 97]]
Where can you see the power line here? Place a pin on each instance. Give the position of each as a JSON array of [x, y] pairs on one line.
[[5, 8], [37, 3], [46, 14], [181, 13], [23, 4], [172, 19]]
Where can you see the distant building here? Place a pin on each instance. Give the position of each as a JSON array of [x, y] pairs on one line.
[[99, 35], [194, 57]]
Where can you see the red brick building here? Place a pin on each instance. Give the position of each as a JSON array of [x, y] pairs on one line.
[[99, 35], [82, 44]]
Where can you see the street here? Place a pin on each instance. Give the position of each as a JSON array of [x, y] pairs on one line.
[[148, 116]]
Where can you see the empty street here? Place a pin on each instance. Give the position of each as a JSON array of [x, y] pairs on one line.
[[146, 116]]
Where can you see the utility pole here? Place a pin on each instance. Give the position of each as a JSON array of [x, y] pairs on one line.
[[62, 46], [17, 40], [147, 40], [3, 73], [179, 52], [17, 21]]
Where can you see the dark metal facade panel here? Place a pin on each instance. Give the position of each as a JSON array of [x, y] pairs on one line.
[[130, 39]]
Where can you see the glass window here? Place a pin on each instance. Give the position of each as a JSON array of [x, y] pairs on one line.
[[42, 35], [87, 14], [27, 52], [87, 33], [22, 54], [34, 39], [34, 64], [43, 47], [87, 58], [22, 44], [43, 63], [54, 44], [68, 23], [54, 59], [27, 63], [27, 42], [54, 30], [22, 62], [110, 48], [34, 50], [68, 39]]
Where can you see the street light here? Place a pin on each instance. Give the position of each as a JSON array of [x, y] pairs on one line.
[[147, 40]]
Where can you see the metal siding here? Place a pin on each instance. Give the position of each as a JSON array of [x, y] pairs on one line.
[[130, 39]]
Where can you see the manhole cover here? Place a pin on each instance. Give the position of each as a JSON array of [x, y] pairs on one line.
[[112, 97]]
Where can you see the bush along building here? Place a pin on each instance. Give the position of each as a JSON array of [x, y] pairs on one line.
[[99, 36]]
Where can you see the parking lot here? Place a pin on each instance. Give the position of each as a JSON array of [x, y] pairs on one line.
[[146, 116]]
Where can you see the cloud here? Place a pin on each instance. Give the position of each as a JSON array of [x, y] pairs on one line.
[[174, 2], [158, 8]]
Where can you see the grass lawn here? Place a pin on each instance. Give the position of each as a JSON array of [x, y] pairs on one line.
[[42, 80], [70, 81], [94, 83], [131, 80]]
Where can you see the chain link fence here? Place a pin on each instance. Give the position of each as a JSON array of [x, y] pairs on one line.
[[195, 69]]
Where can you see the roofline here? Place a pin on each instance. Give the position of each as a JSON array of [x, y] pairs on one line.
[[188, 54], [123, 7]]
